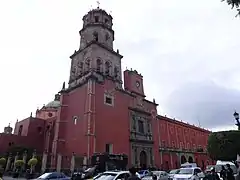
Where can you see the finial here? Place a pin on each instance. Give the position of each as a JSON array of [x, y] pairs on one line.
[[31, 114], [110, 12], [98, 3], [8, 124], [63, 86], [17, 121], [154, 100], [118, 51]]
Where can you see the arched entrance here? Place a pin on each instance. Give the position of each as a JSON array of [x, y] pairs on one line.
[[190, 159], [183, 159], [143, 160]]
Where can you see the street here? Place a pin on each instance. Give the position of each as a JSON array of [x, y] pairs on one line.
[[10, 178]]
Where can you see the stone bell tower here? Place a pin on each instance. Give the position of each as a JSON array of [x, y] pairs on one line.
[[96, 56]]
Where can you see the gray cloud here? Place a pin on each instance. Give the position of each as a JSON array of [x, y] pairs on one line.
[[206, 102]]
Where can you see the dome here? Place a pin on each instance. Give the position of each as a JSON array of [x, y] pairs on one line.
[[53, 104]]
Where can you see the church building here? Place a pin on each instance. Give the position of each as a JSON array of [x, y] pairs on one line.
[[104, 110]]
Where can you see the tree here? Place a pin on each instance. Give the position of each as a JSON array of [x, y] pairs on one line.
[[32, 163], [2, 162], [224, 145], [234, 3], [19, 163]]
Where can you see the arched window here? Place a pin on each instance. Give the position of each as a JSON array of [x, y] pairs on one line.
[[107, 68], [87, 65], [116, 72], [99, 65], [107, 36], [95, 36], [80, 66]]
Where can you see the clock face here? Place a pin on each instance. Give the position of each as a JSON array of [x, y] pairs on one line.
[[138, 84]]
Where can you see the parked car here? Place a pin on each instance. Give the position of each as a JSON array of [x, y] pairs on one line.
[[208, 168], [194, 173], [161, 175], [114, 175], [172, 173], [54, 175]]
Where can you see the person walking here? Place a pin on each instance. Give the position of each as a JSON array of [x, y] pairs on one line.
[[212, 175], [133, 174], [223, 173], [229, 173]]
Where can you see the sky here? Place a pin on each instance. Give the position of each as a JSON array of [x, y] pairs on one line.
[[186, 50]]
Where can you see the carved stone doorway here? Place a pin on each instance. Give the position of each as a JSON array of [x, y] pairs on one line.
[[190, 159], [183, 159], [143, 160]]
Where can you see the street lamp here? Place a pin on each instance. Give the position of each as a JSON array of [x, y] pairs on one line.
[[236, 116]]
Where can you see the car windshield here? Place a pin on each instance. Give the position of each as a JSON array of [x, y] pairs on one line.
[[105, 176], [218, 168], [186, 171], [44, 176], [175, 171]]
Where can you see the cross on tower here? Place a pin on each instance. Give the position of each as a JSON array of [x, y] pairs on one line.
[[98, 3]]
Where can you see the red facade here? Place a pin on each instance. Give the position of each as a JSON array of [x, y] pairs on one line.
[[98, 113]]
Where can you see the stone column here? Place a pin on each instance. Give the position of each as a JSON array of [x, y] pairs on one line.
[[171, 160], [59, 162], [24, 159], [15, 159], [72, 167], [85, 162], [8, 162], [44, 162]]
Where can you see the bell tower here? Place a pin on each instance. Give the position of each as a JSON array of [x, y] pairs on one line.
[[96, 56]]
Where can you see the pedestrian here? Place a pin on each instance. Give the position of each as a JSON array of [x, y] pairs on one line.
[[223, 173], [229, 173], [212, 176], [154, 177], [133, 174]]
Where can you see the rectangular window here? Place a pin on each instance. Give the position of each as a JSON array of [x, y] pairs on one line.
[[96, 19], [106, 20], [141, 126], [20, 130], [108, 100], [109, 148]]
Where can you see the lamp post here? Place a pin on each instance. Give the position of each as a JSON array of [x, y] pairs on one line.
[[236, 116]]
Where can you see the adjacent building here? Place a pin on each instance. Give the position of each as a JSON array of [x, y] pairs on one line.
[[102, 111]]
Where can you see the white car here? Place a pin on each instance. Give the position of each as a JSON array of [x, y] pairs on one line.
[[161, 175], [194, 173], [114, 175]]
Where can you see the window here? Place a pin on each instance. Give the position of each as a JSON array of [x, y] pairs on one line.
[[95, 36], [99, 65], [20, 130], [106, 20], [96, 19], [107, 37], [109, 148], [123, 176], [107, 68], [141, 126], [108, 100], [39, 129]]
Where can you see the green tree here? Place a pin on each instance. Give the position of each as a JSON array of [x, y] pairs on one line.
[[224, 145], [2, 162], [19, 163], [234, 3], [32, 163]]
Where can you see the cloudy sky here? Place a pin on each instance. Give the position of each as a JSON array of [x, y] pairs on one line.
[[186, 51]]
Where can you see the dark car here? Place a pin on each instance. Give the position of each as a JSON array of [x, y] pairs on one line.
[[54, 175]]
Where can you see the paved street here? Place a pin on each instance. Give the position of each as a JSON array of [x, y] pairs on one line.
[[10, 178]]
